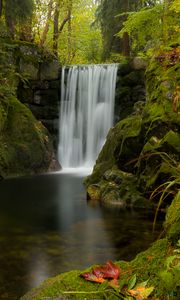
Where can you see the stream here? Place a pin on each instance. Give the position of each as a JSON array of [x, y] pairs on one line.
[[47, 227]]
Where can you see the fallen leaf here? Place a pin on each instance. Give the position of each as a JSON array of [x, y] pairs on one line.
[[92, 277], [99, 274], [140, 292], [110, 270]]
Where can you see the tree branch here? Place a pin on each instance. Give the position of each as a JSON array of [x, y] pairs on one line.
[[46, 28], [65, 20]]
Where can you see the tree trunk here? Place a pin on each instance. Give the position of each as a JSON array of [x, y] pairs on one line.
[[10, 25], [125, 39], [69, 31], [1, 6], [126, 45], [46, 28], [56, 31]]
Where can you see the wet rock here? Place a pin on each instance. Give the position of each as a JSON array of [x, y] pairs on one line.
[[54, 165]]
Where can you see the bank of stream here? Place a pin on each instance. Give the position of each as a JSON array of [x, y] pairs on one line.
[[48, 227]]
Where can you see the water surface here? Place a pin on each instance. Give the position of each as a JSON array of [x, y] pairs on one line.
[[47, 227]]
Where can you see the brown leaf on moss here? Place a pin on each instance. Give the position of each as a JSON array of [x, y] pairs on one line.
[[110, 270], [99, 274], [92, 277]]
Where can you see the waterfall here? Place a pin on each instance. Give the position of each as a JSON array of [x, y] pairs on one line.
[[86, 112]]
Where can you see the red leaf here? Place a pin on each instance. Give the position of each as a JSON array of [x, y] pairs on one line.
[[92, 277], [110, 270]]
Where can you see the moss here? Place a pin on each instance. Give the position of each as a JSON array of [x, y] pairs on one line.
[[93, 192], [25, 147], [172, 223]]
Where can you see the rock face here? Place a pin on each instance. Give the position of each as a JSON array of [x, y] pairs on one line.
[[130, 89], [43, 97], [142, 151]]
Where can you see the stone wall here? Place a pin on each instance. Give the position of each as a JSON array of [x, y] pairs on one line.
[[39, 87]]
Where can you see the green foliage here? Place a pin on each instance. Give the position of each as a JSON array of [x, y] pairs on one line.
[[19, 10], [152, 27], [175, 6], [85, 39], [79, 41], [140, 26], [170, 275]]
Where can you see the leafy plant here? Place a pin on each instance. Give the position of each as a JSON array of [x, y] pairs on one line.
[[166, 188]]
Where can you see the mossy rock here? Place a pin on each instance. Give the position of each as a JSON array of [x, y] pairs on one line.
[[159, 157], [25, 146], [118, 188], [93, 192], [115, 146]]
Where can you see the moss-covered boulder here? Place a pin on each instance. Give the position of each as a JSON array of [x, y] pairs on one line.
[[118, 188], [25, 146]]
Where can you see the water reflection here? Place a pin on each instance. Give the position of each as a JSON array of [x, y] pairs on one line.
[[46, 227]]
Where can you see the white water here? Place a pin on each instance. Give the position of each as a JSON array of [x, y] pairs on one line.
[[86, 113]]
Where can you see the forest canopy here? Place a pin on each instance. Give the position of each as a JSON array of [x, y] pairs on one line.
[[92, 31]]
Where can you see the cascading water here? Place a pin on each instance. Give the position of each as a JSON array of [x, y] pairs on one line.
[[86, 112]]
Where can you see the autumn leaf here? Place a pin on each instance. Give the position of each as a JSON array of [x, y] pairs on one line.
[[92, 277], [141, 292], [110, 270], [99, 274]]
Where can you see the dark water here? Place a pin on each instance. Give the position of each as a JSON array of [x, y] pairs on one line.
[[47, 227]]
